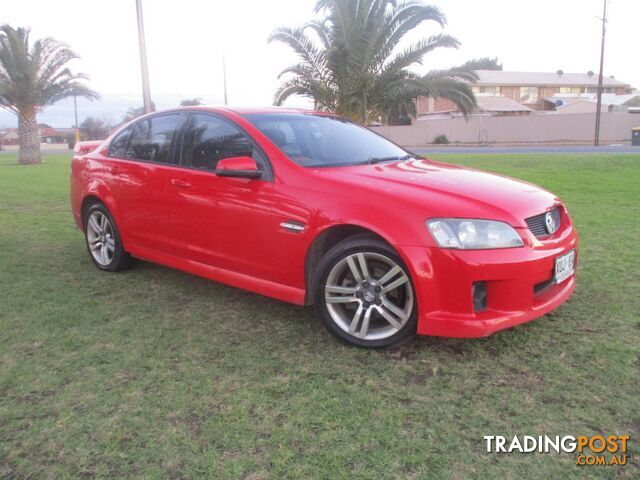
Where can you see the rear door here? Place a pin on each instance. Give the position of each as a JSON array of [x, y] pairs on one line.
[[140, 161], [221, 221]]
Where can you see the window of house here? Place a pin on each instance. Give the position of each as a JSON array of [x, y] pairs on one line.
[[604, 90], [490, 91], [207, 140], [529, 94], [570, 90], [151, 139]]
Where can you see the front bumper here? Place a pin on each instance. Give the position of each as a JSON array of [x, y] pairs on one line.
[[518, 282]]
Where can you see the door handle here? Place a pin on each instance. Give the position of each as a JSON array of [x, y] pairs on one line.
[[177, 182], [114, 170]]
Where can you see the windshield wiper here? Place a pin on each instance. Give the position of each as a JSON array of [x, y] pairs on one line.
[[373, 160]]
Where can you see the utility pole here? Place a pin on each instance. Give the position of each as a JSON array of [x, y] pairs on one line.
[[224, 78], [596, 141], [77, 127], [146, 94]]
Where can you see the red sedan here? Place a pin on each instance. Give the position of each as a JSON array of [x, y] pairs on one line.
[[311, 208]]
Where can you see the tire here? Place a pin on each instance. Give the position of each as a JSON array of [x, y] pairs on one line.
[[369, 307], [103, 240]]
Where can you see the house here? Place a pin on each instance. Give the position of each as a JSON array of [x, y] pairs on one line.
[[535, 91], [49, 134], [587, 103], [9, 136]]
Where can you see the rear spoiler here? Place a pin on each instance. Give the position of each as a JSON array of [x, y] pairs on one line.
[[82, 148]]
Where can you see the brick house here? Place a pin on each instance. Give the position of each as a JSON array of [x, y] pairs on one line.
[[533, 91]]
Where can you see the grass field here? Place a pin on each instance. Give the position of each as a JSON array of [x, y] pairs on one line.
[[153, 373]]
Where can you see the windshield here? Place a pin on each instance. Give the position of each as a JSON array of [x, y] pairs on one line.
[[321, 141]]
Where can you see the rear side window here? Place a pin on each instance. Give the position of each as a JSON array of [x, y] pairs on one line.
[[151, 139], [118, 146], [207, 140]]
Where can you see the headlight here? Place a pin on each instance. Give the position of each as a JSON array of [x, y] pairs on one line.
[[469, 234]]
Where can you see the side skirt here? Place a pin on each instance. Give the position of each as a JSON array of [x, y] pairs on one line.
[[267, 288]]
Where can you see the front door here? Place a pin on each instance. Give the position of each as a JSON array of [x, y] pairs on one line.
[[220, 221]]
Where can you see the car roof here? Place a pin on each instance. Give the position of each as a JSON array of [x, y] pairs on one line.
[[248, 110]]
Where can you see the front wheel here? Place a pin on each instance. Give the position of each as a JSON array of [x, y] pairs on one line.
[[363, 293]]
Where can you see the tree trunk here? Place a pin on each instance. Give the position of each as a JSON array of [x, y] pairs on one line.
[[29, 139], [364, 108]]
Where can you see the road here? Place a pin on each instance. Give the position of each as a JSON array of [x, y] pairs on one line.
[[533, 149]]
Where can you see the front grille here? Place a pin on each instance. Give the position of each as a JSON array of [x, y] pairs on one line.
[[538, 225]]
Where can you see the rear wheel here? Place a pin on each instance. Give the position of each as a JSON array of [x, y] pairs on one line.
[[103, 239], [363, 293]]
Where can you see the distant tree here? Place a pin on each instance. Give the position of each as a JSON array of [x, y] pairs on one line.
[[355, 59], [136, 112], [484, 63], [33, 77], [193, 102], [93, 129]]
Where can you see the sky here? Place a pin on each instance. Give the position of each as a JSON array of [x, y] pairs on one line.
[[186, 41]]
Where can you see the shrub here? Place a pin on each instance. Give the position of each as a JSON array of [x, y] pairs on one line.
[[441, 139]]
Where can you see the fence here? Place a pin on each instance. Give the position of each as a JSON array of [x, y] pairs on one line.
[[615, 127]]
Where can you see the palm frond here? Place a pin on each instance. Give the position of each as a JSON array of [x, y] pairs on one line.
[[32, 78], [414, 53], [355, 59]]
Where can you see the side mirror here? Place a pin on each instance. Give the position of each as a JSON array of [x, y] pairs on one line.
[[239, 167]]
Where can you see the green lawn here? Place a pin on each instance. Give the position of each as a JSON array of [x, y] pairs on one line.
[[153, 373]]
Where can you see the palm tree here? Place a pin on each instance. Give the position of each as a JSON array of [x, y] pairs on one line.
[[191, 102], [354, 60], [135, 112], [32, 77]]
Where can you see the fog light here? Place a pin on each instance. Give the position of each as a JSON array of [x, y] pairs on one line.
[[479, 296]]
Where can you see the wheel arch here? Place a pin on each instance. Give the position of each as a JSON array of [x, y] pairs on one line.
[[99, 193], [323, 242], [86, 203]]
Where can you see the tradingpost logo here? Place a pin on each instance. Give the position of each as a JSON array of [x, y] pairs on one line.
[[594, 450]]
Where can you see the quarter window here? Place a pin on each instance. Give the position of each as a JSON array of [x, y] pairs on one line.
[[151, 139], [118, 146], [207, 140]]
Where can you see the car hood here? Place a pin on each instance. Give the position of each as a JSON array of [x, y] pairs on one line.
[[448, 190]]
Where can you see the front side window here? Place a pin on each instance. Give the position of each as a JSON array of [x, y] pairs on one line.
[[151, 139], [208, 139], [314, 140]]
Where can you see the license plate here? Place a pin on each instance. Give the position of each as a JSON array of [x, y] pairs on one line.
[[565, 266]]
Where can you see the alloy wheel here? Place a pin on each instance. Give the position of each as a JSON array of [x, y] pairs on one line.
[[369, 296], [101, 238]]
